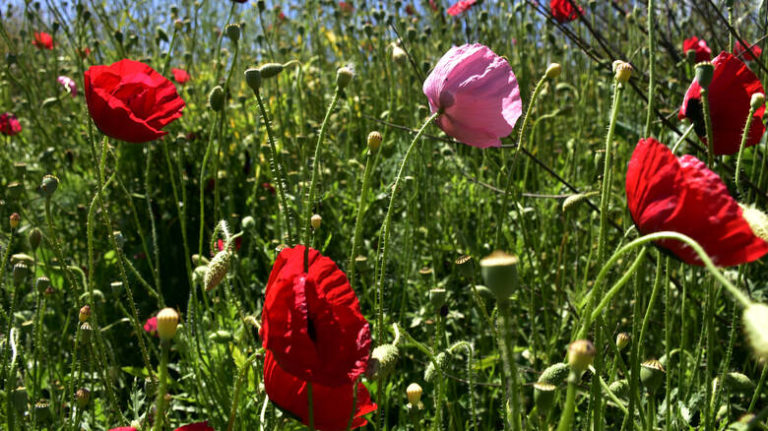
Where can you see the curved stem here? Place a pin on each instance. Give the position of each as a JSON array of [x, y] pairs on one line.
[[708, 126], [605, 189], [651, 67], [744, 136], [201, 239], [358, 230]]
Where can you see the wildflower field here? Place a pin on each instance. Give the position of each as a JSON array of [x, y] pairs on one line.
[[383, 215]]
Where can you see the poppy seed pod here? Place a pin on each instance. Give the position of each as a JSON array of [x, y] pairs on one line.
[[85, 332], [382, 361], [270, 70], [581, 353], [49, 185], [43, 411], [344, 76], [413, 392], [20, 272], [233, 32], [253, 78], [19, 399], [703, 73], [755, 320], [42, 283], [374, 141], [499, 271], [315, 221], [85, 313], [543, 397], [14, 220], [21, 257], [167, 321], [216, 98], [554, 70], [652, 374], [217, 269]]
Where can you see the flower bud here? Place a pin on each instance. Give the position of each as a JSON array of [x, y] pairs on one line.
[[622, 71], [738, 382], [544, 397], [24, 258], [757, 100], [216, 98], [704, 73], [755, 320], [248, 222], [622, 340], [217, 269], [85, 313], [253, 78], [233, 32], [344, 76], [499, 271], [167, 321], [553, 70], [315, 221], [580, 355], [399, 55], [14, 220], [178, 24], [19, 399], [49, 185], [441, 359], [413, 392], [652, 374], [270, 69], [35, 237], [82, 396], [382, 361], [374, 141]]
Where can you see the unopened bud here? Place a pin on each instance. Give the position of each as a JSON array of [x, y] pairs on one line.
[[85, 313], [233, 32], [374, 141], [704, 73], [49, 185], [382, 362], [216, 98], [399, 55], [622, 71], [14, 220], [413, 392], [554, 70], [217, 269], [270, 69], [248, 222], [315, 221], [580, 355], [82, 395], [167, 321], [622, 340], [35, 237], [253, 78], [757, 100], [499, 271], [344, 76], [178, 24]]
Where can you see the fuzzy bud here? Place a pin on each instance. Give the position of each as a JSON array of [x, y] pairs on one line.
[[652, 374], [553, 70], [270, 70], [374, 141], [382, 362], [755, 320], [622, 340], [344, 76], [49, 185], [14, 220], [413, 392], [580, 355], [430, 372], [167, 321], [704, 72], [178, 24], [253, 79], [315, 221], [757, 100], [233, 32], [738, 382], [622, 71], [499, 271], [217, 269], [216, 98], [248, 222], [620, 388], [85, 313]]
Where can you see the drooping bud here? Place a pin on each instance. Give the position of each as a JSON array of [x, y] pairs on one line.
[[24, 258], [738, 382], [757, 100], [233, 32], [248, 222], [270, 69], [167, 321], [374, 141], [553, 70], [555, 374], [216, 98], [49, 185], [580, 355], [704, 73], [85, 313], [382, 361], [217, 269], [430, 372], [499, 271], [755, 320], [622, 340], [253, 78], [344, 76], [315, 221], [652, 374]]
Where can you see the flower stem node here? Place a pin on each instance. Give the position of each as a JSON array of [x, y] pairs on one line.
[[622, 340], [554, 70], [622, 71], [755, 320], [382, 363], [705, 70], [85, 313], [14, 220], [217, 269], [581, 353], [757, 100], [253, 78], [216, 98], [344, 76], [499, 271], [374, 141], [315, 221], [652, 374], [167, 321]]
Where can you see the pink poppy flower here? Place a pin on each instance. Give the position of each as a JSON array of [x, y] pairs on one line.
[[477, 93], [68, 84], [9, 125], [180, 75], [150, 326], [460, 7]]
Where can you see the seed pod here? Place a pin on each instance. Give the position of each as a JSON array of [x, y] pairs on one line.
[[20, 272], [42, 283], [43, 411], [217, 269], [233, 32], [344, 76], [757, 100], [544, 397], [652, 374], [23, 258], [704, 72], [19, 399], [85, 332], [499, 271]]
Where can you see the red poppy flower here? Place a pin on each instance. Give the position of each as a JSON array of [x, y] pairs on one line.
[[180, 75], [238, 243], [312, 321], [699, 46], [564, 10], [741, 51], [200, 426], [460, 7], [332, 405], [433, 5], [732, 87], [84, 52], [150, 326], [409, 9], [130, 101], [43, 40], [9, 125], [666, 193], [346, 7]]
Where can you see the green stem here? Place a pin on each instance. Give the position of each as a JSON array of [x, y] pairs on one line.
[[566, 418], [238, 386], [651, 67], [162, 387], [744, 136], [358, 231], [758, 389], [708, 126], [510, 368], [682, 137], [201, 239], [605, 190]]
